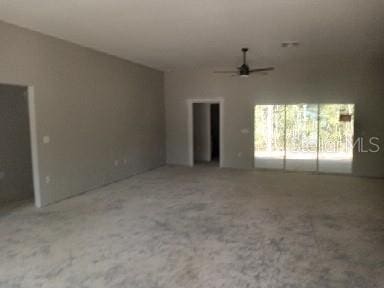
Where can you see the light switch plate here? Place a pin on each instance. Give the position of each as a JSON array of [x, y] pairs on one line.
[[46, 139]]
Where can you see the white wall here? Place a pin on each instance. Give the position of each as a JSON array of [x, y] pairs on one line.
[[94, 107], [202, 132], [323, 80]]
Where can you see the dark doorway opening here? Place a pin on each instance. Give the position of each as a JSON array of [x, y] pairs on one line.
[[16, 181], [215, 132], [206, 133]]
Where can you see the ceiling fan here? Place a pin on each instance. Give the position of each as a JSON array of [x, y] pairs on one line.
[[244, 70]]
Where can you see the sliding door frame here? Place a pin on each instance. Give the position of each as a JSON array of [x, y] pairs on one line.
[[317, 139]]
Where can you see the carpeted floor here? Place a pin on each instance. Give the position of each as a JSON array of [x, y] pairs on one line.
[[202, 227]]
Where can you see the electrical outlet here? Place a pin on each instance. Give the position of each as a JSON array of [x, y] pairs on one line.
[[47, 179], [46, 139]]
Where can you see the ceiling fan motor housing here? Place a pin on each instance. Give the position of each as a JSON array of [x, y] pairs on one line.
[[244, 70]]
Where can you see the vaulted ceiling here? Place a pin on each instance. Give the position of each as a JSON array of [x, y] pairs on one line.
[[168, 34]]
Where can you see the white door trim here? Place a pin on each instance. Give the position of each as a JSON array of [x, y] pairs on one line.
[[190, 103], [34, 146], [33, 141]]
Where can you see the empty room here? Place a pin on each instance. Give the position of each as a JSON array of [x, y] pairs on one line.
[[192, 143]]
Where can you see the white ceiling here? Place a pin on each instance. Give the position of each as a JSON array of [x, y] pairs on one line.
[[170, 34]]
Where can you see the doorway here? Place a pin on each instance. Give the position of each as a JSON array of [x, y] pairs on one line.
[[17, 128], [215, 133], [205, 132]]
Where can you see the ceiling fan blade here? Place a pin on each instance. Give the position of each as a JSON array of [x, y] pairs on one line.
[[265, 69], [226, 72]]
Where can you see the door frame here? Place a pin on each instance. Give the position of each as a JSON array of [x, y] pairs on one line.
[[34, 146], [317, 171], [33, 138], [190, 103]]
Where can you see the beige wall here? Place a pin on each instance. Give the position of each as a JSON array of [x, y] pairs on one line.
[[94, 107], [15, 149], [325, 80]]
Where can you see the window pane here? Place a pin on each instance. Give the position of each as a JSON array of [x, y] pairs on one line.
[[269, 136], [301, 141], [336, 138]]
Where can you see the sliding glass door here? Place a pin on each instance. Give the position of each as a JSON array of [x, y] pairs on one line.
[[269, 142], [304, 137], [336, 138], [301, 131]]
